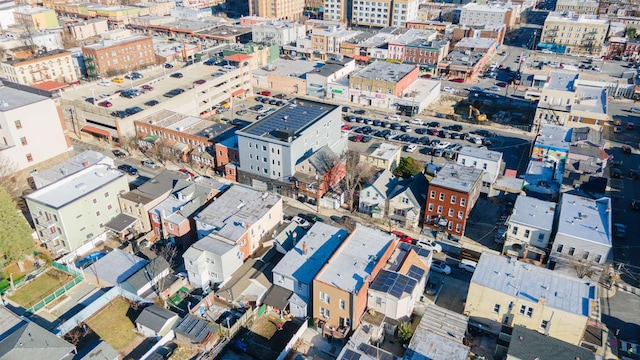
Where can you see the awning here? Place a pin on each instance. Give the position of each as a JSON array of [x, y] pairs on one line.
[[277, 296], [540, 77], [151, 138], [361, 58], [180, 147], [96, 131], [237, 92], [120, 223]]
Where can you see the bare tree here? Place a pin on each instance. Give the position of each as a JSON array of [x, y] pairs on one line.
[[356, 173], [9, 177], [584, 269], [129, 143], [169, 253]]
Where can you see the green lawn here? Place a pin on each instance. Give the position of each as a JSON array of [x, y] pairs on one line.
[[39, 288], [113, 325]]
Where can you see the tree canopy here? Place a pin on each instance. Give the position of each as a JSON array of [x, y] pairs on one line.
[[408, 167], [15, 233]]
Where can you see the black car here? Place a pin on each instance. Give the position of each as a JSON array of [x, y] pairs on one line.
[[120, 114], [455, 127], [90, 100], [482, 132], [386, 124], [119, 153], [176, 75], [442, 134], [284, 97], [168, 66], [395, 126], [432, 286], [346, 109], [433, 124], [402, 137], [133, 110], [424, 140], [360, 112], [635, 204], [210, 62], [272, 101], [258, 98], [256, 107], [174, 92], [128, 168], [152, 103], [280, 103], [454, 135]]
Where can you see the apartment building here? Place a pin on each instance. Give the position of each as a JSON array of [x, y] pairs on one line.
[[22, 134], [55, 65], [340, 290], [270, 149], [229, 230], [37, 18], [573, 33], [530, 227], [338, 10], [110, 57], [580, 7], [85, 29], [507, 292], [584, 232], [451, 197], [402, 12], [71, 212], [372, 13], [490, 162], [277, 9], [488, 14], [299, 266], [278, 31]]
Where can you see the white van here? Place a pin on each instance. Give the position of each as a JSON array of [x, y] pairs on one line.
[[468, 265], [635, 110]]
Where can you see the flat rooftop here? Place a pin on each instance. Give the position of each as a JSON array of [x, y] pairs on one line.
[[229, 214], [476, 43], [466, 58], [561, 80], [591, 99], [386, 71], [554, 136], [439, 335], [290, 119], [289, 68], [533, 212], [493, 7], [75, 186], [478, 153], [571, 18], [186, 124], [354, 261], [585, 219], [533, 283], [320, 242], [109, 43], [457, 177], [70, 166], [226, 31], [383, 151], [11, 98]]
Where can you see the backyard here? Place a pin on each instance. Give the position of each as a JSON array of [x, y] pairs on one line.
[[40, 287], [265, 340], [113, 324]]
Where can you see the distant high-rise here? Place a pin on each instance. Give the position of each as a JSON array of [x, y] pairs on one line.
[[278, 9]]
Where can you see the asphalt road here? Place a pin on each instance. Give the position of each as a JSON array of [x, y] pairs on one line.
[[621, 312]]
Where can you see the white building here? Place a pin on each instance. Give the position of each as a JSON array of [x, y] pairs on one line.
[[27, 121], [584, 231], [488, 14], [44, 39], [587, 7], [6, 14], [278, 32], [373, 197], [298, 267], [68, 167], [183, 13], [55, 65], [70, 213], [490, 162], [530, 225]]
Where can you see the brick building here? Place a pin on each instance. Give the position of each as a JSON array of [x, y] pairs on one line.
[[451, 197], [108, 58]]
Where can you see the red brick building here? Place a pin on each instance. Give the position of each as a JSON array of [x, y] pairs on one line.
[[451, 197], [112, 57]]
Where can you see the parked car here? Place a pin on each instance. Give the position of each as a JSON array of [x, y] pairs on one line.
[[168, 66], [120, 114], [242, 112], [119, 153], [104, 83], [301, 222], [440, 267], [360, 112], [152, 103], [117, 80], [265, 93], [394, 117], [432, 286], [128, 169], [105, 103], [429, 245], [457, 80], [134, 110], [150, 164], [402, 236], [90, 100], [174, 92], [199, 82], [147, 87], [411, 148], [187, 172], [176, 75], [417, 121]]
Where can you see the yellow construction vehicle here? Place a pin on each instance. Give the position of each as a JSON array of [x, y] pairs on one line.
[[478, 115]]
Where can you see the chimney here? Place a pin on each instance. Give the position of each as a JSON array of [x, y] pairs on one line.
[[304, 248], [85, 163]]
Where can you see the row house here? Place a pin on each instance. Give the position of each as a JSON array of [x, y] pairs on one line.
[[439, 26], [452, 194], [86, 29], [277, 31], [622, 46], [55, 65], [586, 161], [486, 31], [462, 64], [490, 162], [229, 230]]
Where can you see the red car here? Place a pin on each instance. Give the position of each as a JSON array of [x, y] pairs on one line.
[[426, 76], [502, 84], [458, 80], [187, 172], [147, 87], [265, 93], [105, 104], [199, 82], [357, 138], [346, 127], [402, 236]]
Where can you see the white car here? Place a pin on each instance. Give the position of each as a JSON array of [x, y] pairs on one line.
[[429, 245], [301, 222], [391, 135], [417, 121], [150, 164], [104, 83], [411, 148], [104, 96], [545, 51], [394, 117], [443, 145], [494, 88], [448, 89], [440, 267]]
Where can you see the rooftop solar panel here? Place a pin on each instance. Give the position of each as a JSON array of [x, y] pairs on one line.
[[415, 272], [350, 355]]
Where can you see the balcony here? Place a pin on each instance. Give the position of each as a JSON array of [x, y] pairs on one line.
[[47, 235], [43, 221], [335, 332]]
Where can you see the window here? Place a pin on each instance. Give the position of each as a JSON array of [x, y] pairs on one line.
[[97, 213], [18, 124], [325, 297], [441, 196], [526, 233], [106, 195], [450, 212], [430, 207], [343, 305], [23, 140], [458, 228], [29, 157], [433, 194], [324, 313], [378, 301], [496, 308], [585, 255], [544, 324], [95, 201], [541, 237], [109, 207], [559, 248], [439, 210], [598, 258], [453, 199], [463, 202], [572, 250], [526, 311], [515, 230]]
